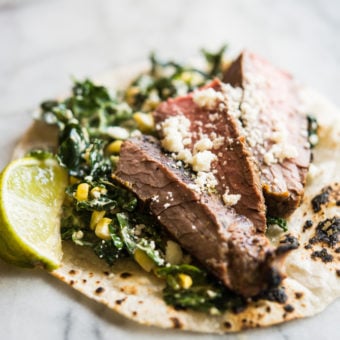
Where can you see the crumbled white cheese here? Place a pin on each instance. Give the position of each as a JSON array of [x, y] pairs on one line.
[[218, 142], [269, 158], [203, 144], [206, 181], [175, 130], [214, 116], [155, 198], [313, 172], [313, 139], [194, 187], [207, 98], [170, 196], [279, 152], [173, 142], [201, 161], [230, 199], [185, 156], [234, 95]]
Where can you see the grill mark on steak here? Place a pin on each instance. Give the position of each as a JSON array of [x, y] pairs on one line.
[[277, 100], [223, 241], [234, 168]]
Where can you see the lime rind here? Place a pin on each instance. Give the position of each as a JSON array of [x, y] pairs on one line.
[[31, 195]]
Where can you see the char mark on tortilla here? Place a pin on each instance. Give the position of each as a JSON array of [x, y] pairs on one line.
[[225, 242], [275, 129]]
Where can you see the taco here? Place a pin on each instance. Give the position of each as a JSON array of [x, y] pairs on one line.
[[202, 211]]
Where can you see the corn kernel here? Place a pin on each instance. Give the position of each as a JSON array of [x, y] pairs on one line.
[[82, 192], [114, 159], [95, 218], [145, 121], [214, 311], [185, 281], [114, 147], [173, 253], [102, 228], [96, 192], [131, 93], [144, 260]]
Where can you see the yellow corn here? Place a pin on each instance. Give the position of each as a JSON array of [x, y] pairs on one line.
[[82, 192], [95, 218], [131, 93], [114, 147], [144, 260], [185, 281], [145, 121], [114, 159], [173, 253], [97, 191], [102, 228]]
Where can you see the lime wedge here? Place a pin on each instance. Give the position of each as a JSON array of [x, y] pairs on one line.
[[31, 196]]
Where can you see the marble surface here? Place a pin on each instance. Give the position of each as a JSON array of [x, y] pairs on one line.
[[44, 42]]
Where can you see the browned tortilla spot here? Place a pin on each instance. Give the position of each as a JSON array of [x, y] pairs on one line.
[[106, 273], [268, 309], [120, 301], [99, 290], [84, 280], [227, 324], [131, 290], [176, 323], [125, 275], [288, 308], [338, 272], [298, 295], [72, 272], [134, 313], [71, 282], [323, 255]]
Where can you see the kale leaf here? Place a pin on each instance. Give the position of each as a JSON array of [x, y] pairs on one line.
[[280, 222]]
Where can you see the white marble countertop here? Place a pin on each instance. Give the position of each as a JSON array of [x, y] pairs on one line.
[[44, 42]]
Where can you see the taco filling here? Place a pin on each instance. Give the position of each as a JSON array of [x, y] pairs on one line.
[[191, 173]]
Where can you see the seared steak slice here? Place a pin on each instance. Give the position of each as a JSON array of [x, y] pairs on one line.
[[275, 129], [214, 128], [223, 241]]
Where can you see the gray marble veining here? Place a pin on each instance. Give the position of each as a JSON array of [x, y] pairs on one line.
[[44, 42]]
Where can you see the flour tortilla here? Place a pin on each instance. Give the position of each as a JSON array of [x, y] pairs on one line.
[[311, 285]]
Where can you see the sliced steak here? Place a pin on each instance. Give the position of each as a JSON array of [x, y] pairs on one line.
[[223, 241], [275, 129], [214, 128]]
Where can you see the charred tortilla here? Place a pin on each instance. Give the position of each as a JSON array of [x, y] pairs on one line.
[[313, 269]]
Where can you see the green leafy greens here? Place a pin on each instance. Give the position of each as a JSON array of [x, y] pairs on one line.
[[280, 222]]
